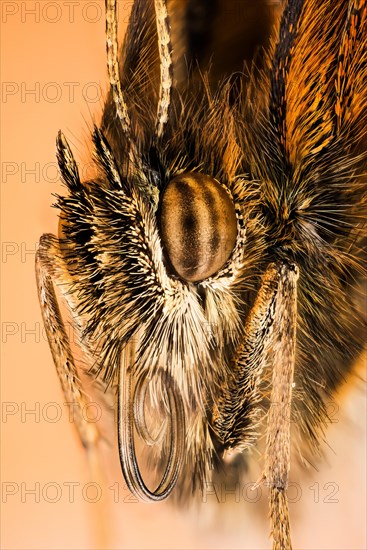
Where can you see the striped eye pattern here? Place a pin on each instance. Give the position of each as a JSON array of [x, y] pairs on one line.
[[198, 225]]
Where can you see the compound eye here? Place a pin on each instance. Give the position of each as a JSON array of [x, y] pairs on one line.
[[198, 225]]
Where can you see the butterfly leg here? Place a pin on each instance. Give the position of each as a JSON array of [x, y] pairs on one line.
[[278, 442], [270, 340], [50, 270]]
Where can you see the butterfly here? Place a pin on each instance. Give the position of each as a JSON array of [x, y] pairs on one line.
[[213, 266]]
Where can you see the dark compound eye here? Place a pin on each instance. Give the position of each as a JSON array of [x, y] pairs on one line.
[[198, 225]]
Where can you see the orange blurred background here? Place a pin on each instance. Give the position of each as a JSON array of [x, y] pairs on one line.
[[54, 76]]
